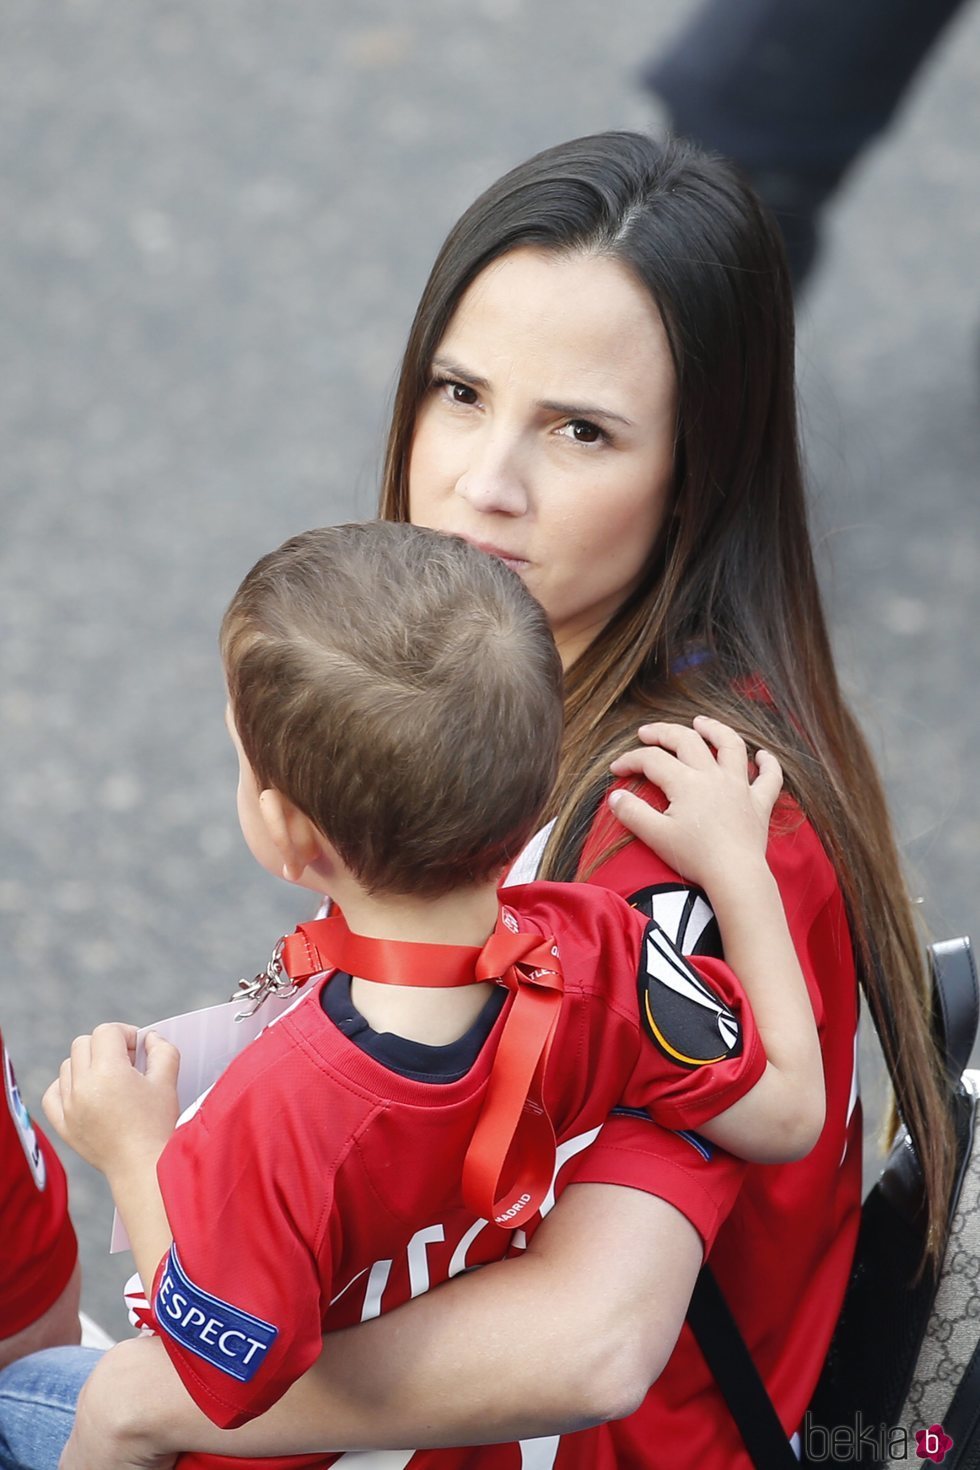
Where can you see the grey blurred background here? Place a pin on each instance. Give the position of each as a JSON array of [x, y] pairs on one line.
[[216, 220]]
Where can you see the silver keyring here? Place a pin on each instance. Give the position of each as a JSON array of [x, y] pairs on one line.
[[273, 980]]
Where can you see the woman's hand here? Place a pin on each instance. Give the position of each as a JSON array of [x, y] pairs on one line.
[[717, 814], [112, 1115]]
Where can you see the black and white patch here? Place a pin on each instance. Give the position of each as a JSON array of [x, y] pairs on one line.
[[685, 916], [688, 1020]]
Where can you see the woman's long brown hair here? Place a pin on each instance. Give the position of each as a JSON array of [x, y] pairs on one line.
[[730, 597]]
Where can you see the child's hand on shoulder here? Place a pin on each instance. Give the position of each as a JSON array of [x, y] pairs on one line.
[[716, 823], [107, 1111]]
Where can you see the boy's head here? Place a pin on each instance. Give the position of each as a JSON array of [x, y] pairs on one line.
[[402, 690]]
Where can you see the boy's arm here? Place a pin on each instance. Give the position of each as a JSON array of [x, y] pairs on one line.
[[119, 1120], [713, 832]]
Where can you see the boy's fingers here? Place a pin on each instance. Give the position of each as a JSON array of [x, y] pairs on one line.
[[162, 1059], [729, 745], [684, 742], [769, 782], [128, 1032], [111, 1042], [52, 1108], [80, 1055], [769, 766], [643, 820], [658, 766]]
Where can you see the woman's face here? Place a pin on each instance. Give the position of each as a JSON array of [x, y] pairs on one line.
[[547, 434]]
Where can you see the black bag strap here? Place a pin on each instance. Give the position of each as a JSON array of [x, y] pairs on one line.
[[960, 1419], [737, 1377], [955, 1009], [955, 1003]]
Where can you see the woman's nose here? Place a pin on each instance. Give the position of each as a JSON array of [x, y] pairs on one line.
[[493, 482]]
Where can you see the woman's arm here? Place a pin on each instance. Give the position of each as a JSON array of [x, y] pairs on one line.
[[570, 1333]]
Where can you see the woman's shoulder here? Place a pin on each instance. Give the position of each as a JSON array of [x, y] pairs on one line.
[[614, 859]]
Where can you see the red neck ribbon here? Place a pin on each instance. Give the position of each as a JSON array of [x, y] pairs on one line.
[[510, 1161]]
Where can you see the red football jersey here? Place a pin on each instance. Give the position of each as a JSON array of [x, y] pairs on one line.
[[783, 1254], [315, 1187], [39, 1246]]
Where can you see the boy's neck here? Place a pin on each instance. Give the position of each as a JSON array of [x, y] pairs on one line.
[[464, 916]]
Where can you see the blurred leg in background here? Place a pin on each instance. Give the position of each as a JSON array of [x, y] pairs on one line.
[[38, 1395], [793, 90]]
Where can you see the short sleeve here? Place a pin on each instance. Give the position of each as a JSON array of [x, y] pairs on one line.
[[237, 1300], [699, 1179], [699, 1048], [39, 1245]]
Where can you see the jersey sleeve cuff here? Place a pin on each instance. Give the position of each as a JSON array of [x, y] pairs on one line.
[[637, 1155], [691, 1111], [223, 1412], [42, 1249], [37, 1291]]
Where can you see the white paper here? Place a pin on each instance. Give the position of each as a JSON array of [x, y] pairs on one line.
[[207, 1041]]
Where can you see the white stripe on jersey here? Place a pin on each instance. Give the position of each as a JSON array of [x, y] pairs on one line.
[[375, 1459], [855, 1088], [563, 1153], [855, 1081], [377, 1281], [524, 868], [539, 1454]]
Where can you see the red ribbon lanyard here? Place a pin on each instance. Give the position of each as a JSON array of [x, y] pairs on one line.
[[510, 1161]]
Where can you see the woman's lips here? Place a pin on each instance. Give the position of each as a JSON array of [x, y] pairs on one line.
[[509, 558]]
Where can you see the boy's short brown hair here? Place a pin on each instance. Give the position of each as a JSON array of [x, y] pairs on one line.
[[403, 690]]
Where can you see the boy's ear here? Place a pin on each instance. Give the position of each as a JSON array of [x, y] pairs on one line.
[[292, 833]]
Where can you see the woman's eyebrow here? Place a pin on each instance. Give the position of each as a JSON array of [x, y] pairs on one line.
[[585, 411], [454, 370]]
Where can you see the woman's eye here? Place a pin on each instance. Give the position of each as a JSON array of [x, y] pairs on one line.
[[456, 392], [583, 431]]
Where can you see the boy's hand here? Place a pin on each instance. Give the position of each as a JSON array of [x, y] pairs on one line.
[[717, 819], [108, 1112]]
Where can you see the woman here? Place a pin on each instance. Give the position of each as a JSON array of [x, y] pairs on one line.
[[598, 387]]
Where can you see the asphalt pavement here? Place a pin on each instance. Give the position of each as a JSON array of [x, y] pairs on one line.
[[216, 222]]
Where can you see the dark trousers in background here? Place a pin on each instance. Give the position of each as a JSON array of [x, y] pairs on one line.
[[793, 90]]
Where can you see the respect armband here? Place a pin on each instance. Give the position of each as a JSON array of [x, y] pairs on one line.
[[223, 1335]]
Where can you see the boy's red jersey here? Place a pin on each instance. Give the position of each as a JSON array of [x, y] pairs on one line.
[[316, 1188]]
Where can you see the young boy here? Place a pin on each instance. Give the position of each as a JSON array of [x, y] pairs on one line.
[[395, 701]]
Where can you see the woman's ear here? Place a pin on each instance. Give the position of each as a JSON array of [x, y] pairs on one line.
[[291, 833]]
